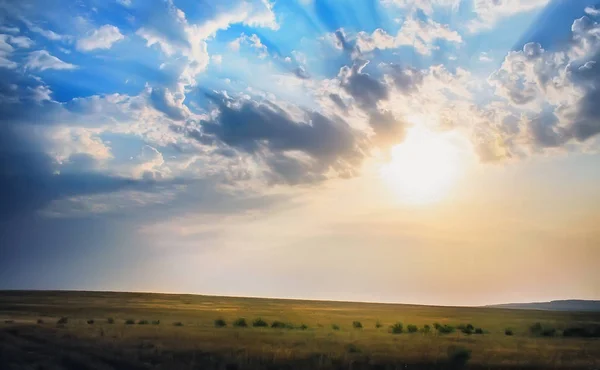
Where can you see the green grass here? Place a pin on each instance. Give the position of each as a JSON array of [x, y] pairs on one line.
[[329, 339]]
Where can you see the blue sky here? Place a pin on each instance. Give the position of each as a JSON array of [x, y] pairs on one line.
[[235, 147]]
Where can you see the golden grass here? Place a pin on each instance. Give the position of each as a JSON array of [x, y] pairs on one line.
[[320, 345]]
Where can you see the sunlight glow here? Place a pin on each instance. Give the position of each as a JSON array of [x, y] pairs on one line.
[[424, 167]]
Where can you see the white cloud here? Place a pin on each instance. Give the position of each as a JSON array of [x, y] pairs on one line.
[[217, 58], [414, 32], [10, 29], [124, 2], [21, 41], [42, 60], [484, 57], [102, 38], [592, 11], [489, 12], [427, 6], [50, 35], [6, 63]]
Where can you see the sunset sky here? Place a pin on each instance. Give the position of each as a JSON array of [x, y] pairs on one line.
[[414, 151]]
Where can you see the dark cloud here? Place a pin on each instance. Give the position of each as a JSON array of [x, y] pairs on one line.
[[406, 79], [366, 90], [338, 101], [388, 129], [164, 101], [300, 72], [29, 179], [269, 132]]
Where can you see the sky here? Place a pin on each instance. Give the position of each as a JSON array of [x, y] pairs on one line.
[[413, 151]]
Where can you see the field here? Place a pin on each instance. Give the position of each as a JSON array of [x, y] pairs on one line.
[[179, 332]]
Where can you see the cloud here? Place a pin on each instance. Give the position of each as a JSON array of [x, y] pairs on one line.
[[489, 12], [49, 34], [427, 6], [592, 11], [21, 41], [557, 89], [9, 29], [414, 32], [302, 147], [102, 38], [42, 60]]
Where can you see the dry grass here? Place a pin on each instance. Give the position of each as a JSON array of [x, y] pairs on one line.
[[199, 344]]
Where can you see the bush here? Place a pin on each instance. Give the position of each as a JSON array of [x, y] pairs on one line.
[[90, 321], [397, 328], [260, 323], [143, 322], [240, 323], [548, 332], [508, 331], [378, 325], [412, 328], [352, 348], [220, 323], [156, 322], [40, 321], [356, 325], [436, 325], [458, 356], [178, 323], [278, 325], [303, 327], [426, 329], [445, 329], [539, 330], [62, 320], [478, 331], [335, 327], [129, 322], [592, 331], [110, 320], [536, 328], [466, 330]]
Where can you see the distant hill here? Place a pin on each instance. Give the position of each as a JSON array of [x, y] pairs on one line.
[[564, 305]]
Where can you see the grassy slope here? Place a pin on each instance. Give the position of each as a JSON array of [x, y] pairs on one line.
[[198, 341]]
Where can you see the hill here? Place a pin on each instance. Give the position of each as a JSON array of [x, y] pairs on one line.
[[562, 305]]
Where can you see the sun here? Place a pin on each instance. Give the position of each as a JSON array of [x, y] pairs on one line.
[[424, 167]]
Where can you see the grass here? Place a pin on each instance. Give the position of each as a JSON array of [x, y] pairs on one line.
[[329, 340]]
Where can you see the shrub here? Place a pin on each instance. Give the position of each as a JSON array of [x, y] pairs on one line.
[[63, 320], [110, 320], [378, 325], [303, 327], [426, 329], [220, 323], [592, 331], [397, 328], [40, 321], [156, 322], [90, 321], [143, 322], [508, 331], [538, 329], [466, 330], [260, 323], [289, 326], [178, 323], [445, 329], [458, 356], [240, 323], [548, 332], [357, 325], [129, 322], [335, 327], [278, 325], [478, 331], [412, 328], [436, 325], [352, 348]]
